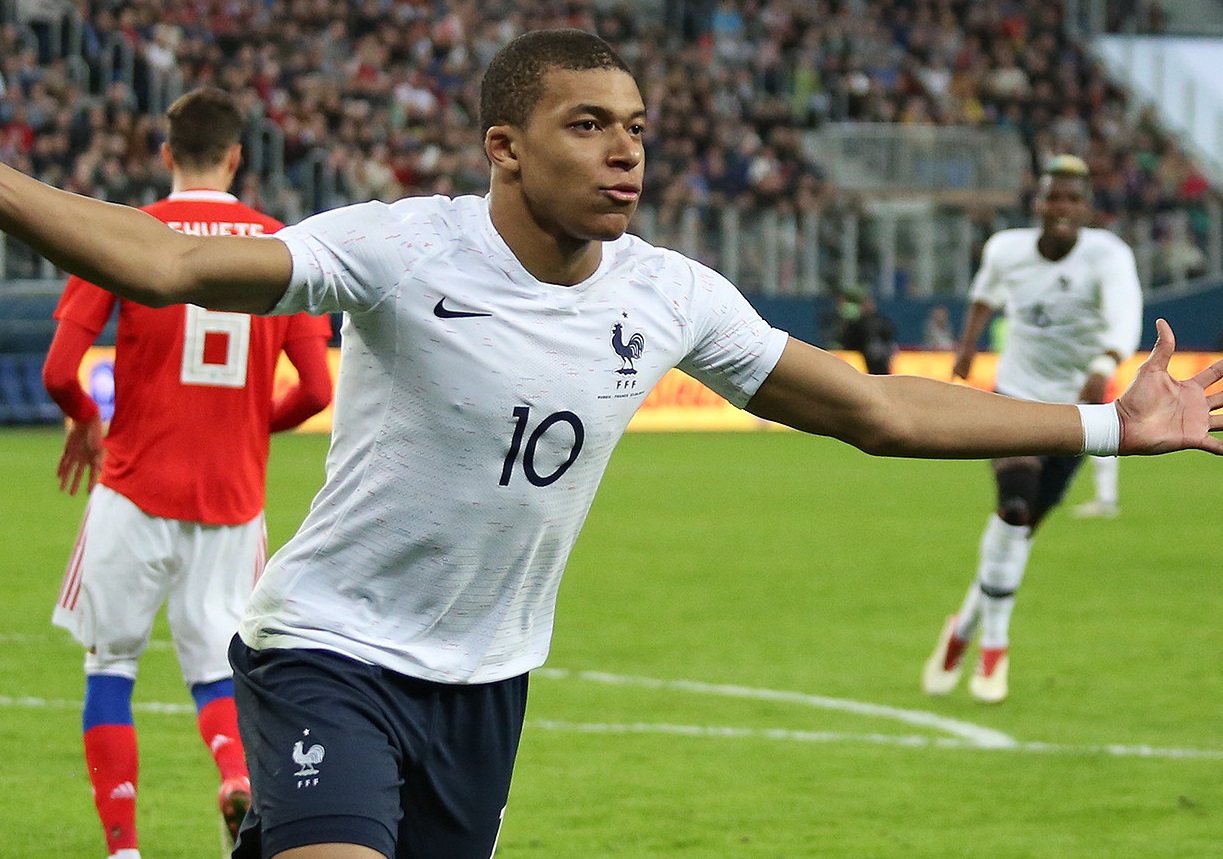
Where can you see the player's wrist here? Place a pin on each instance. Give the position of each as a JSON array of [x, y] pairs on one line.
[[86, 413], [1101, 428]]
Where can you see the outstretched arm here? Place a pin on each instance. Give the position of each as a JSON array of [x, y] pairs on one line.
[[135, 256], [816, 392]]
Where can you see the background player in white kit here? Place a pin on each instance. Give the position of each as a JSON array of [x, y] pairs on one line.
[[1073, 307], [178, 514], [494, 352]]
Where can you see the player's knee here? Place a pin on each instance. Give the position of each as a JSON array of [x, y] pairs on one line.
[[1018, 493], [1015, 511], [112, 664]]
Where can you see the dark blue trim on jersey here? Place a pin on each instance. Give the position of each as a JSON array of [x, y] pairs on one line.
[[108, 701], [205, 693]]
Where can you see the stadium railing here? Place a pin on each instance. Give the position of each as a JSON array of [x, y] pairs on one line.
[[903, 247], [945, 161]]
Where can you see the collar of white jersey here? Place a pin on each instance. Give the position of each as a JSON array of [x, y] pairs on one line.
[[517, 272], [202, 195]]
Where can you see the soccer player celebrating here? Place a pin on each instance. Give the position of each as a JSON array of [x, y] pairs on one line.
[[177, 515], [1074, 312], [495, 351]]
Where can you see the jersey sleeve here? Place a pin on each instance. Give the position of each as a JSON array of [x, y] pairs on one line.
[[347, 259], [59, 371], [312, 392], [304, 326], [1120, 300], [87, 305], [733, 348], [987, 287]]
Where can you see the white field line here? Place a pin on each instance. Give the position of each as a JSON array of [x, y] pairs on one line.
[[31, 703], [975, 735], [67, 640], [908, 741], [964, 735]]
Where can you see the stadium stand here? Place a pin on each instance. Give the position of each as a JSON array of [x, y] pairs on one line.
[[23, 400], [26, 329], [376, 99]]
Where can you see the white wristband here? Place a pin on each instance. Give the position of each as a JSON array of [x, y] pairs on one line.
[[1103, 365], [1101, 429]]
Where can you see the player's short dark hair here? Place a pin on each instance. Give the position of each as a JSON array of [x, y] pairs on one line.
[[514, 81], [204, 124]]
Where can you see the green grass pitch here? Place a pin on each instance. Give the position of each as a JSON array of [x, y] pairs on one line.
[[735, 667]]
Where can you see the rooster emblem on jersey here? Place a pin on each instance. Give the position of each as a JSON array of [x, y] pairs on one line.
[[307, 758], [628, 352]]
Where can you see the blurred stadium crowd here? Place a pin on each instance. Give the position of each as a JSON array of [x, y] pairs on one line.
[[364, 99]]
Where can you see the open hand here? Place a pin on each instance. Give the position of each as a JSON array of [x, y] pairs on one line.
[[82, 456], [1160, 414]]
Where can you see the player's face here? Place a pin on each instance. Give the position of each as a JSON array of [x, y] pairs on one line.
[[581, 157], [1063, 207]]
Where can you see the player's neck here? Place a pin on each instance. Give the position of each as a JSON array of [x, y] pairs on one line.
[[215, 180], [546, 256], [1053, 248]]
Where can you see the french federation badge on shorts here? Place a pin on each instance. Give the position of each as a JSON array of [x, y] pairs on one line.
[[307, 759]]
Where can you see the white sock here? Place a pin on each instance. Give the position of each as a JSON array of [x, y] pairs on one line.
[[126, 853], [1104, 471], [1004, 558]]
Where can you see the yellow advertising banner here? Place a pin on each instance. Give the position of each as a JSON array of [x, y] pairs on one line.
[[678, 402], [97, 378]]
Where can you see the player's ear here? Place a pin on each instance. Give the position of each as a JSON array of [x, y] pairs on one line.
[[167, 158], [501, 147], [233, 158]]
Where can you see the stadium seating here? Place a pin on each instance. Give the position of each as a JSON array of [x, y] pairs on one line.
[[356, 101], [23, 400], [380, 102]]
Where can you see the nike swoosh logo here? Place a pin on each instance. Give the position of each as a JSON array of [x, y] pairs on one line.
[[441, 311]]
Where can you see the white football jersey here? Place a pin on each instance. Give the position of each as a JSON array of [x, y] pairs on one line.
[[476, 409], [1059, 314]]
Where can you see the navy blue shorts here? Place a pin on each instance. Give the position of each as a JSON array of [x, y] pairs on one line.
[[1056, 475], [341, 751]]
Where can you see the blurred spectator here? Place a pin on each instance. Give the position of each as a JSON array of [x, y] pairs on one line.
[[378, 98], [937, 333], [871, 334]]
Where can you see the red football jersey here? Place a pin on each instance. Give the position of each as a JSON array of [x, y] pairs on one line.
[[193, 387]]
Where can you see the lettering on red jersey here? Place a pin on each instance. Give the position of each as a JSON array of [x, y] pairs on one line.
[[216, 228]]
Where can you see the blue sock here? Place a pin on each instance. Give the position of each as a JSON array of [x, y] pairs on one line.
[[205, 693], [108, 700]]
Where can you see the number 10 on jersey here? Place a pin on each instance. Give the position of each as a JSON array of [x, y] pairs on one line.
[[522, 421]]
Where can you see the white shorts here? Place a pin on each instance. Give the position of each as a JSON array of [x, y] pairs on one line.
[[126, 563]]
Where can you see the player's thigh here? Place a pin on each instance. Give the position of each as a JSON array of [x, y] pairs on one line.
[[322, 754], [329, 851], [218, 567], [117, 578], [454, 794]]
